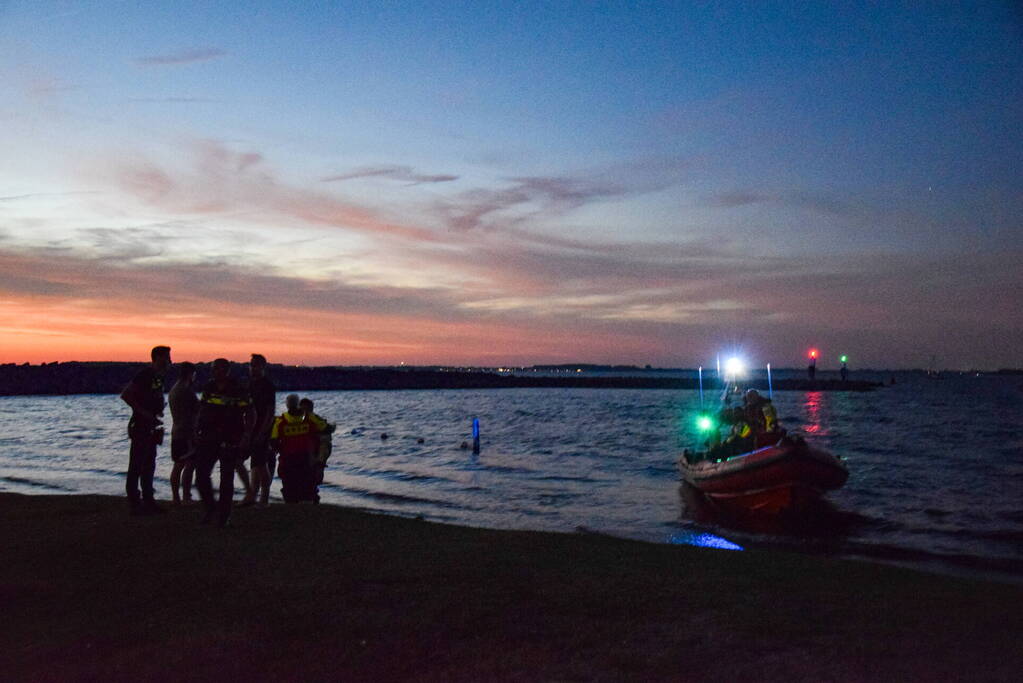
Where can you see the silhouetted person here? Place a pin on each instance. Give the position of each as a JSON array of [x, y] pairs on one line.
[[184, 407], [223, 429], [145, 429], [324, 440], [296, 440], [264, 401], [761, 415]]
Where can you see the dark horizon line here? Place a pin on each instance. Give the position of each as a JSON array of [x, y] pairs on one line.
[[549, 367]]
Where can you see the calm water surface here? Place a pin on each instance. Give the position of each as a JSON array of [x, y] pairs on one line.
[[936, 467]]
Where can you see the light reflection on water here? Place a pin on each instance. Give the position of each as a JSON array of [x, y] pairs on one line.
[[935, 467]]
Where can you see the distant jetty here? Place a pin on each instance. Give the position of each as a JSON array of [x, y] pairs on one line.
[[111, 378]]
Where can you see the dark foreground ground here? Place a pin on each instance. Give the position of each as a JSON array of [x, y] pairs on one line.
[[324, 593]]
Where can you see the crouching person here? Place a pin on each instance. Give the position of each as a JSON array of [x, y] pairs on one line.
[[296, 440]]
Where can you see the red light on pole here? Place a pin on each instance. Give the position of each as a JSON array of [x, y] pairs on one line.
[[813, 354]]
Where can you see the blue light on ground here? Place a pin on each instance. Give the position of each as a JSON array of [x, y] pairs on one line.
[[702, 540]]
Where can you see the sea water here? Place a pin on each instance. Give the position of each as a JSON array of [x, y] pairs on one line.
[[936, 466]]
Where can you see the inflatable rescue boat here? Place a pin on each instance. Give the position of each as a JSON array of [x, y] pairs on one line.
[[787, 474]]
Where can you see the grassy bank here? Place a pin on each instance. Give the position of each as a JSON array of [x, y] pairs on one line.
[[319, 592]]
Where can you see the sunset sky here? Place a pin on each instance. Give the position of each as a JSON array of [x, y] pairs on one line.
[[512, 182]]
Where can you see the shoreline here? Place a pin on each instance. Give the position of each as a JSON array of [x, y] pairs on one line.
[[73, 378], [92, 593]]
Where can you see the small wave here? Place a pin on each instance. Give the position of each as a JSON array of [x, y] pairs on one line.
[[502, 469], [109, 473], [394, 475], [405, 499], [556, 477], [36, 484], [1003, 535], [660, 471]]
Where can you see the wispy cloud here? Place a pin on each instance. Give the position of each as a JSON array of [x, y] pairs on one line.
[[35, 195], [222, 180], [183, 57], [399, 173], [525, 199], [172, 100], [871, 302], [530, 198]]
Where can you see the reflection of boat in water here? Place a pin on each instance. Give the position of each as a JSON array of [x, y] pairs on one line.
[[788, 474]]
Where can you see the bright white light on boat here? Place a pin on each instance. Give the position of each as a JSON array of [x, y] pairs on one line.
[[703, 540], [734, 366]]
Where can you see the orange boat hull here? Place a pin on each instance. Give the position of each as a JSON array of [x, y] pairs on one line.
[[770, 479]]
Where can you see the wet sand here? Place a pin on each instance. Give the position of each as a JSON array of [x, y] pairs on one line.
[[325, 593]]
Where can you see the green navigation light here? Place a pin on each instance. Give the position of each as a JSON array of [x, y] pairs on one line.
[[704, 423], [844, 358]]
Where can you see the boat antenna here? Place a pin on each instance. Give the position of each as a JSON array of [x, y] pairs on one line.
[[700, 371], [770, 388]]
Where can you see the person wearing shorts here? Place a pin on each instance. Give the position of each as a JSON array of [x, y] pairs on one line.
[[184, 405], [264, 402]]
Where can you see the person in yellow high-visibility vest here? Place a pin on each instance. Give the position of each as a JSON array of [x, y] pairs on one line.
[[296, 439], [223, 431], [325, 443]]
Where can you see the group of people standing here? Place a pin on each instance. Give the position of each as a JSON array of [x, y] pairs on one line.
[[229, 422]]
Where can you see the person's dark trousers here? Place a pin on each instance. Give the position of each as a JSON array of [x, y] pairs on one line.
[[141, 467], [230, 456], [297, 483], [207, 456]]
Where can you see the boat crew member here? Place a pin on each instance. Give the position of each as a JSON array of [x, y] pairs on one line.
[[740, 440], [224, 428], [761, 416], [295, 439], [145, 429]]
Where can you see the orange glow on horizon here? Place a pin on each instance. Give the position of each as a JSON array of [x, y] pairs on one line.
[[36, 330]]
